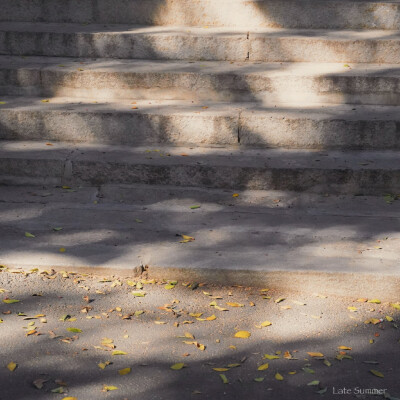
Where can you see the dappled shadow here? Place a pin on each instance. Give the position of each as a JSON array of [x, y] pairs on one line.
[[152, 349]]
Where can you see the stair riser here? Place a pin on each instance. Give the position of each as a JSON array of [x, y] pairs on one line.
[[233, 47], [267, 13], [290, 89], [368, 182], [262, 129]]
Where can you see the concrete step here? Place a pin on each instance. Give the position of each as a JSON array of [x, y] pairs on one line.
[[232, 168], [264, 83], [182, 43], [157, 122], [309, 14], [278, 237]]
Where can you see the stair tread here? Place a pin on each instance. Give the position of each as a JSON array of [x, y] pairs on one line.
[[229, 156], [270, 69], [162, 107], [74, 28], [255, 231]]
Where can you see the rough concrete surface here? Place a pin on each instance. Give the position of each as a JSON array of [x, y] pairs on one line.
[[187, 123], [339, 243], [199, 43], [307, 14], [102, 309], [263, 83]]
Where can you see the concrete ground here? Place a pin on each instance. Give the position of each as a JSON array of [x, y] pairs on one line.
[[65, 324]]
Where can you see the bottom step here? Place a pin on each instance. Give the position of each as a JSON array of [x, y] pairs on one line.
[[234, 168], [330, 244]]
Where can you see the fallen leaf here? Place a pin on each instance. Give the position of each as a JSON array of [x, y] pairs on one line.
[[315, 354], [196, 315], [11, 366], [278, 377], [118, 353], [194, 207], [374, 301], [139, 294], [376, 373], [344, 348], [187, 239], [124, 371], [313, 383], [189, 335], [29, 235], [177, 366], [235, 195], [235, 304], [352, 309], [263, 367], [74, 330], [221, 369], [224, 378], [242, 334], [280, 299], [11, 301], [388, 318], [270, 357], [266, 323], [107, 388], [258, 379]]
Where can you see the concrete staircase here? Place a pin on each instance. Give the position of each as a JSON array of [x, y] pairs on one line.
[[293, 95]]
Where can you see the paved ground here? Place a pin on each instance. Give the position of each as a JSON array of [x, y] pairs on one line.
[[55, 334], [279, 239]]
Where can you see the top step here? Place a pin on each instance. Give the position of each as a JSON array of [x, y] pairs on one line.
[[298, 14]]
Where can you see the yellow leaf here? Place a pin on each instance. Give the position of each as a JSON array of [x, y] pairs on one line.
[[187, 239], [235, 304], [266, 323], [315, 354], [388, 318], [177, 366], [196, 315], [344, 348], [376, 373], [372, 321], [108, 388], [189, 335], [232, 347], [375, 301], [270, 357], [292, 372], [69, 398], [395, 305], [118, 353], [221, 369], [159, 322], [45, 101], [362, 300], [278, 377], [280, 299], [242, 334], [235, 195], [352, 309], [224, 378], [11, 366], [62, 249], [263, 367], [210, 318], [124, 371]]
